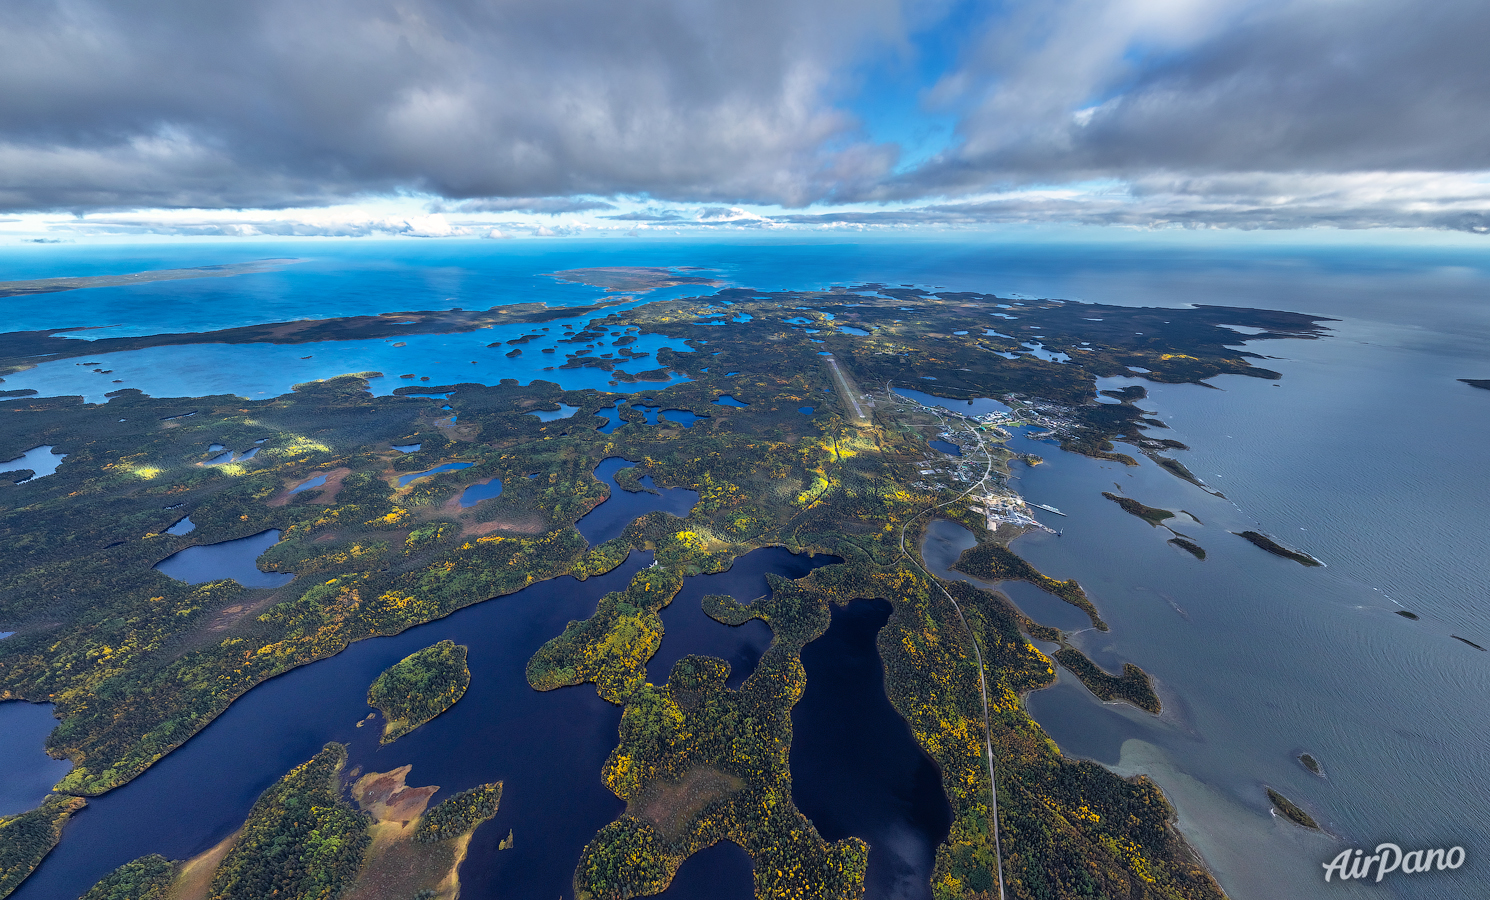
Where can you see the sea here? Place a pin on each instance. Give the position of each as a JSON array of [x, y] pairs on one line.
[[1368, 453]]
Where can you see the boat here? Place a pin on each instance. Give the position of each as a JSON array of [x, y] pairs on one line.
[[1047, 508]]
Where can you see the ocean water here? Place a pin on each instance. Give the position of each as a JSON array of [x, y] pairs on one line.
[[1368, 454]]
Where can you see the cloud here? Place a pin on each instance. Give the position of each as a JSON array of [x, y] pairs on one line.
[[1067, 90], [1252, 200], [170, 103], [575, 116], [552, 206]]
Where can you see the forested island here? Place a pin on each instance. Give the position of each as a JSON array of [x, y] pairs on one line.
[[137, 662], [419, 687]]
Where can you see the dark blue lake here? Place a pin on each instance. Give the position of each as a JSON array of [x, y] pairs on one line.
[[680, 417], [486, 490], [26, 772], [687, 629], [403, 480], [611, 517], [229, 559], [856, 768]]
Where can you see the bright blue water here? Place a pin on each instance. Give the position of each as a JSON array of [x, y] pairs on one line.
[[26, 772], [1259, 656], [228, 559], [680, 417], [1038, 351], [946, 447], [256, 371], [610, 518], [184, 526], [849, 329], [403, 480], [42, 461], [563, 412], [805, 410], [648, 412], [485, 490], [612, 417], [727, 400]]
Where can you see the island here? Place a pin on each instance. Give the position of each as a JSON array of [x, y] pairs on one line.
[[419, 687], [1259, 539], [137, 662], [1291, 811]]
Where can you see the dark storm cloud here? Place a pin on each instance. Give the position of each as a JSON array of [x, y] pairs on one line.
[[169, 103]]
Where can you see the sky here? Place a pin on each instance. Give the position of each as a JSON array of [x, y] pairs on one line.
[[484, 118]]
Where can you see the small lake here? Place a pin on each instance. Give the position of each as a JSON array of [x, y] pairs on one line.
[[946, 447], [687, 629], [681, 417], [41, 460], [856, 768], [974, 407], [228, 559], [611, 517], [183, 526], [612, 417], [26, 772], [309, 484], [403, 480], [553, 415], [485, 490], [727, 400]]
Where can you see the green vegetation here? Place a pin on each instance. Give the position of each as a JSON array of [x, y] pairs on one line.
[[1277, 549], [1311, 764], [1291, 811], [302, 840], [1149, 514], [1133, 687], [1188, 546], [26, 838], [995, 562], [459, 814], [147, 878], [136, 663], [419, 687]]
